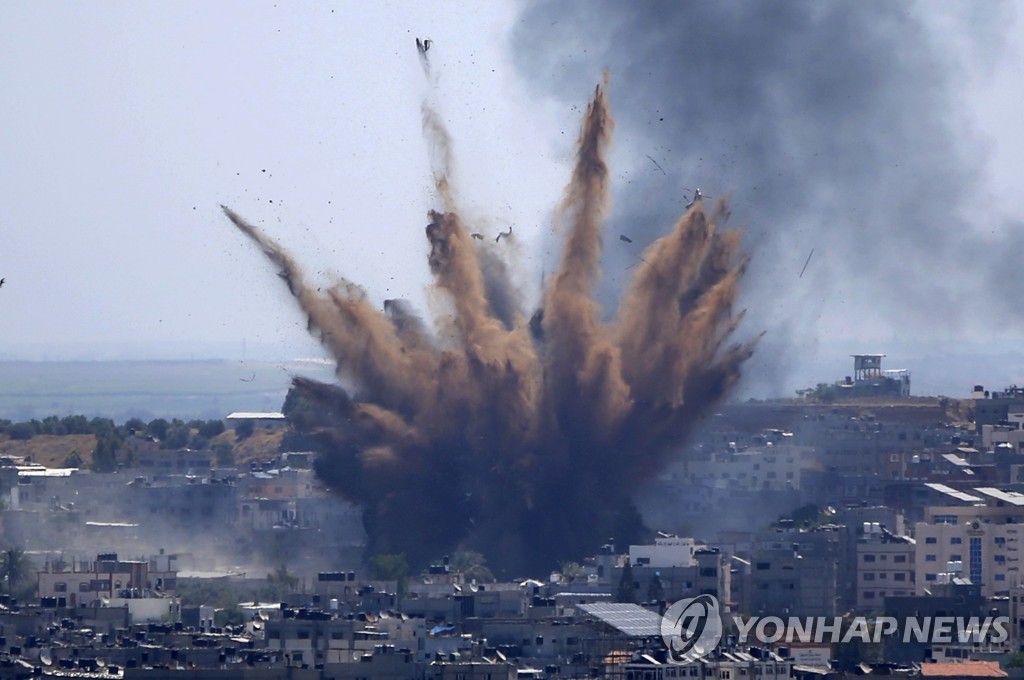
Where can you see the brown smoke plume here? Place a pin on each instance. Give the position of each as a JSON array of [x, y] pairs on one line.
[[520, 440]]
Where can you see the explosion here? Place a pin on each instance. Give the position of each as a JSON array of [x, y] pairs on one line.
[[521, 439]]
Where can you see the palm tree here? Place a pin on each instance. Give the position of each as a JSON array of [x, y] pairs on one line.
[[281, 582], [14, 568]]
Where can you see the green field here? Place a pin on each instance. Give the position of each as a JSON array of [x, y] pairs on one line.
[[147, 389]]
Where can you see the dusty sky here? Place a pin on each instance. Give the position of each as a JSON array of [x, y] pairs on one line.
[[124, 125]]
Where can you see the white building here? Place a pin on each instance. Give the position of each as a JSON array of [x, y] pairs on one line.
[[667, 551], [979, 542]]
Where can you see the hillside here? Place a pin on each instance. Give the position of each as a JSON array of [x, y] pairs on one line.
[[50, 450], [53, 450]]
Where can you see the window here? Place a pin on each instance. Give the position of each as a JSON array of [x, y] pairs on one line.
[[899, 576], [929, 577], [869, 576], [869, 558], [931, 540], [956, 558], [955, 540], [1000, 559], [1000, 541], [764, 566], [929, 558], [1000, 577], [869, 594], [975, 561], [60, 587], [899, 559]]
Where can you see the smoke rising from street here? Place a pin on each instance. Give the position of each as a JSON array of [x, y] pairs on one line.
[[519, 437]]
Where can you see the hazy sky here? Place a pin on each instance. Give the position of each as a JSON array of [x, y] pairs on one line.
[[124, 125]]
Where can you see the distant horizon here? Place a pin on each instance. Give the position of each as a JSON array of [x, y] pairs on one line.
[[774, 373]]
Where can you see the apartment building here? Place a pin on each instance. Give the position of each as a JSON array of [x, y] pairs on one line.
[[885, 567]]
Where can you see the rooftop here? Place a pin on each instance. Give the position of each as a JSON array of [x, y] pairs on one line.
[[953, 493], [629, 619], [1011, 497], [964, 669]]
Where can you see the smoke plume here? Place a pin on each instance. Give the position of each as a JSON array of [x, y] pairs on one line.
[[520, 439], [841, 125]]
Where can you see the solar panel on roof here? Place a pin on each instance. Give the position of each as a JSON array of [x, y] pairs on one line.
[[631, 619]]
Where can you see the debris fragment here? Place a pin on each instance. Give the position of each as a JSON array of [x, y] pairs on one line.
[[696, 197], [806, 263], [657, 165]]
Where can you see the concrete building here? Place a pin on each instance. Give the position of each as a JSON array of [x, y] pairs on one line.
[[667, 551], [797, 572], [869, 380], [977, 542], [885, 567], [993, 408]]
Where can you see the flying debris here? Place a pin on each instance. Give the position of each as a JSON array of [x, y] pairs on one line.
[[806, 263], [657, 165], [506, 234], [696, 197], [2, 282], [477, 235], [422, 46], [248, 379], [501, 429], [623, 237]]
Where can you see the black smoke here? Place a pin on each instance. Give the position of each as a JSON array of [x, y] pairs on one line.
[[838, 126]]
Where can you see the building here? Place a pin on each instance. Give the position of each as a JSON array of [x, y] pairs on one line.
[[667, 551], [979, 542], [869, 380], [107, 578], [885, 567]]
